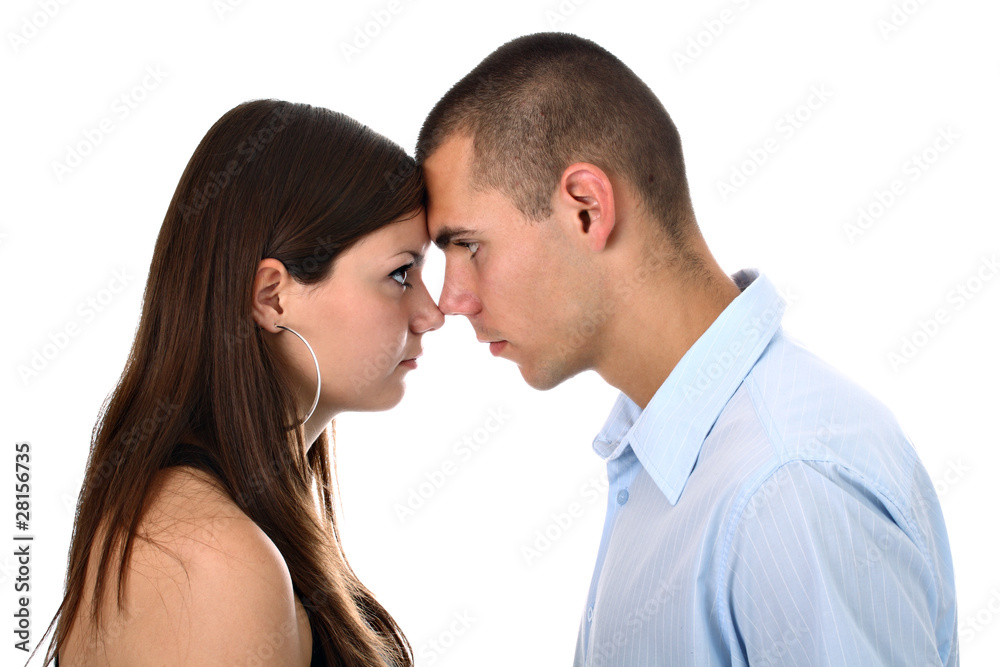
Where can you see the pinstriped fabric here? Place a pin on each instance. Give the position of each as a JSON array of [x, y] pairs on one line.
[[765, 510]]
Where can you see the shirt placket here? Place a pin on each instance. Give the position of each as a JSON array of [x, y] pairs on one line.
[[622, 470]]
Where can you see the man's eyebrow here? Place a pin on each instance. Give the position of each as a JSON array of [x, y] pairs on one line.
[[446, 234]]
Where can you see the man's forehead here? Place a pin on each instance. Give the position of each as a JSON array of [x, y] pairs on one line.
[[448, 189], [452, 158], [446, 222]]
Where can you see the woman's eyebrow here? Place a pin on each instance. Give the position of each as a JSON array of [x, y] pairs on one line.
[[418, 257]]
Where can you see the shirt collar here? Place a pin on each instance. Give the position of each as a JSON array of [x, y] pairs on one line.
[[667, 436]]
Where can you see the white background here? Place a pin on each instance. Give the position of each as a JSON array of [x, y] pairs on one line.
[[61, 239]]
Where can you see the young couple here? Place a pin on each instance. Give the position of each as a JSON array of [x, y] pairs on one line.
[[762, 509]]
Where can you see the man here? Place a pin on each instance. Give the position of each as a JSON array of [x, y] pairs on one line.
[[762, 508]]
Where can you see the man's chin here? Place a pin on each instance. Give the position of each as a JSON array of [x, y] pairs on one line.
[[541, 379]]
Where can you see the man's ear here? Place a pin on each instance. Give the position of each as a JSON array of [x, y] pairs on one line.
[[269, 283], [585, 191]]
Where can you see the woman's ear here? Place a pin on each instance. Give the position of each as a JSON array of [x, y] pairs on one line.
[[269, 284], [586, 194]]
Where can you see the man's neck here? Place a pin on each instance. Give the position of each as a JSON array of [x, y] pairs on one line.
[[657, 324]]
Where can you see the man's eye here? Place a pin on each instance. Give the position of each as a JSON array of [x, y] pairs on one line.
[[399, 275], [471, 245]]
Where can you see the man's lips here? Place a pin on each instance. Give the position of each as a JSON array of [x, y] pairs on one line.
[[497, 345]]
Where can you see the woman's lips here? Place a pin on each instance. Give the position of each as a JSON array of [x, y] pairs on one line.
[[411, 362]]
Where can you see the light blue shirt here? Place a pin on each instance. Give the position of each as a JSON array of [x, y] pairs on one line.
[[765, 510]]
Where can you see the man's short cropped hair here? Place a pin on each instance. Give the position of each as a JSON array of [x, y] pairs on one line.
[[544, 101]]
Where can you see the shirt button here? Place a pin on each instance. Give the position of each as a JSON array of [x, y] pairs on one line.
[[590, 614], [622, 497]]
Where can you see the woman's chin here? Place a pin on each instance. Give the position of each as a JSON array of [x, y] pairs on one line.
[[388, 398]]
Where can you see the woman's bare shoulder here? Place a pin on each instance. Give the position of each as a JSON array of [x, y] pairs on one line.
[[205, 585]]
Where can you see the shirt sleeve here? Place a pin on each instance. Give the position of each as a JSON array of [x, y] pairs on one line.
[[578, 658], [823, 570]]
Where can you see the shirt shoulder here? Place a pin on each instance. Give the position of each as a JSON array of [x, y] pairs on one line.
[[794, 409], [829, 473], [810, 411]]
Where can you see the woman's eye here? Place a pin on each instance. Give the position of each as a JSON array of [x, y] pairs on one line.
[[399, 275], [471, 245]]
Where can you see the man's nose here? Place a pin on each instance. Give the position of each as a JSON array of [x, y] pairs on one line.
[[457, 296]]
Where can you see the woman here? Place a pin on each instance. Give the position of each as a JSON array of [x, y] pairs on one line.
[[284, 288]]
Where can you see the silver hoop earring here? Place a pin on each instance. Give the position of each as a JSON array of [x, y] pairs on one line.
[[315, 361]]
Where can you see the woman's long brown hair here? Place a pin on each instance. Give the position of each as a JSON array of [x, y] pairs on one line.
[[269, 179]]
